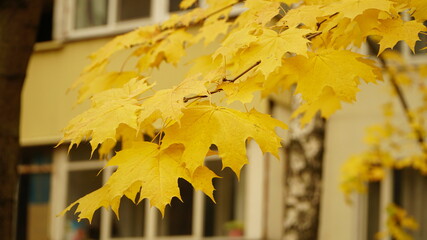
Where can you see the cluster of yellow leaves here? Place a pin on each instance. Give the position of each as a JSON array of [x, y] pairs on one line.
[[393, 146], [398, 222], [265, 49]]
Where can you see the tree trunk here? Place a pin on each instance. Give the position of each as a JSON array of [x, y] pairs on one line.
[[303, 177], [18, 28]]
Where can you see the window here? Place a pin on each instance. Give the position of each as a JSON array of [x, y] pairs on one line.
[[34, 193], [410, 193], [45, 29], [196, 217], [90, 18]]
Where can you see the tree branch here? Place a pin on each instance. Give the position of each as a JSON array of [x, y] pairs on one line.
[[186, 99], [403, 102]]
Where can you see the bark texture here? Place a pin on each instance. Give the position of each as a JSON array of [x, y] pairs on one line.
[[18, 27], [303, 178]]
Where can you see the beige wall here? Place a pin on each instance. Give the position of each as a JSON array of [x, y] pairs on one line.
[[344, 137], [46, 106]]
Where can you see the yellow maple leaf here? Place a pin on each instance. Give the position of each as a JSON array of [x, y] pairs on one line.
[[417, 8], [236, 40], [211, 30], [203, 125], [306, 15], [271, 48], [395, 29], [135, 37], [261, 11], [186, 3], [170, 102], [201, 179], [338, 69], [127, 136], [327, 104], [220, 3], [352, 8], [143, 169], [109, 109], [103, 81], [244, 89], [170, 49]]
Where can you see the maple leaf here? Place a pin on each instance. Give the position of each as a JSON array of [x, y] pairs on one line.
[[243, 89], [170, 102], [236, 40], [271, 48], [353, 8], [420, 9], [201, 179], [327, 104], [170, 49], [109, 109], [211, 30], [103, 81], [228, 129], [186, 3], [395, 29], [261, 11], [143, 169], [135, 37], [306, 15], [338, 69]]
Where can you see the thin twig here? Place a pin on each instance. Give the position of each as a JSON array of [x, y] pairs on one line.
[[186, 99]]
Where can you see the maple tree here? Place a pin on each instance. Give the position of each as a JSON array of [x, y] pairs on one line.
[[267, 48]]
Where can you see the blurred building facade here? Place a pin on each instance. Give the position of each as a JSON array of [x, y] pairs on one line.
[[52, 179]]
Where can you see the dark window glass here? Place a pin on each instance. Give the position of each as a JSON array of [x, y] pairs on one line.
[[81, 183], [33, 195], [179, 215], [133, 9], [411, 194], [132, 219], [373, 209], [44, 31], [82, 152], [223, 218]]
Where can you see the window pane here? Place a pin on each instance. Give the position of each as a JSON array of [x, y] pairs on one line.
[[411, 195], [421, 44], [179, 215], [133, 9], [373, 209], [174, 5], [90, 13], [82, 153], [132, 218], [81, 183], [44, 31], [34, 192], [226, 216]]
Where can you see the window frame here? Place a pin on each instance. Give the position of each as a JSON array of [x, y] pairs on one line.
[[64, 15]]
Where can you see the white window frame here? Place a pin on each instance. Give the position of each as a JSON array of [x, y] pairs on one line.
[[253, 207], [64, 14]]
